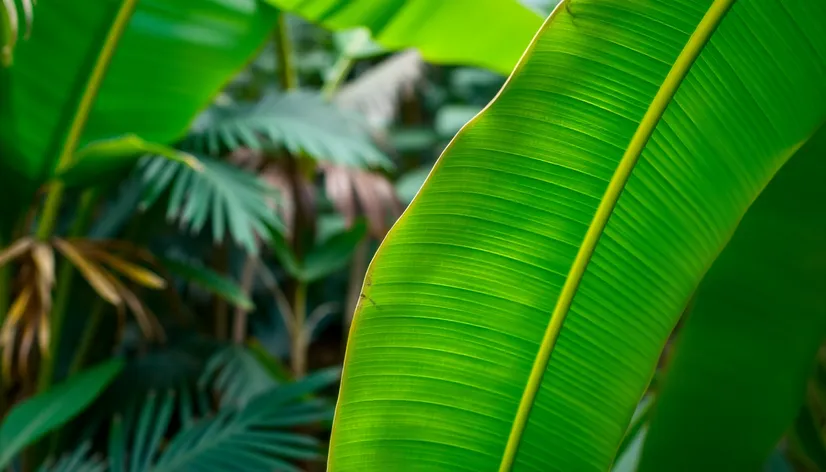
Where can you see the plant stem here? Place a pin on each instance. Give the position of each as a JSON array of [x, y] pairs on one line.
[[88, 337], [298, 356], [81, 115], [284, 54], [239, 322], [343, 65], [287, 77], [340, 71], [55, 195], [51, 209], [220, 306]]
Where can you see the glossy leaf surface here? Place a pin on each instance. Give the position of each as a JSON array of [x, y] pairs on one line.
[[153, 87], [461, 291], [486, 33]]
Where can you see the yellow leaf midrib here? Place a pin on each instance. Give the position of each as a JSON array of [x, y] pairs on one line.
[[679, 70]]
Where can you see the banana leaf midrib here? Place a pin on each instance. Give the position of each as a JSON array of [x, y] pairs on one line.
[[645, 129], [671, 84]]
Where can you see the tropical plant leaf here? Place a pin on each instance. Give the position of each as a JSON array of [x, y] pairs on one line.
[[78, 460], [445, 32], [300, 122], [91, 271], [30, 420], [236, 375], [516, 312], [15, 250], [101, 159], [355, 192], [152, 87], [748, 347], [234, 200], [259, 436], [210, 281]]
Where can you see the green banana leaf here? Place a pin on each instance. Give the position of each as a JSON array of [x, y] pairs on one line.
[[485, 33], [739, 375], [172, 58], [513, 317]]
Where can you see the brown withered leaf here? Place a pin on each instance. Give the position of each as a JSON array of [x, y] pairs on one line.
[[133, 272], [339, 189], [10, 328], [20, 247], [147, 322], [44, 278], [93, 255], [377, 93], [280, 179], [24, 352], [43, 257], [93, 273], [355, 192], [15, 314]]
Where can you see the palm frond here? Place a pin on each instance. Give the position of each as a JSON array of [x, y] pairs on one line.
[[79, 460], [376, 93], [259, 436], [300, 122], [234, 200], [236, 375]]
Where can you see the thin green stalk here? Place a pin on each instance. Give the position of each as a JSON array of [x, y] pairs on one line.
[[51, 209], [55, 195], [88, 338], [239, 326], [78, 362], [343, 65], [341, 69], [220, 306], [298, 356], [288, 81], [284, 54]]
